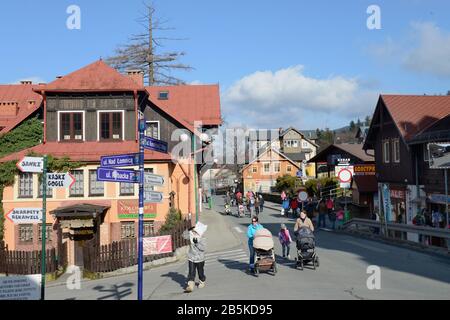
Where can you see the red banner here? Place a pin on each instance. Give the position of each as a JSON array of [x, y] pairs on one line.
[[157, 245]]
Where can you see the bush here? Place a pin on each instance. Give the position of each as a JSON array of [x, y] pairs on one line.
[[173, 218], [312, 188], [286, 183]]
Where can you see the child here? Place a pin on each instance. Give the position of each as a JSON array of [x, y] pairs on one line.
[[285, 240], [340, 217]]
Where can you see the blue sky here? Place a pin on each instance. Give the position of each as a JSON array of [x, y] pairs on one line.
[[292, 62]]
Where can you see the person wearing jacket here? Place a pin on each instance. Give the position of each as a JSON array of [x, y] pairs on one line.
[[261, 203], [285, 240], [196, 258], [251, 230], [303, 221]]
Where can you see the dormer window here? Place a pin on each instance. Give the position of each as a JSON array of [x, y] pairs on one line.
[[163, 95]]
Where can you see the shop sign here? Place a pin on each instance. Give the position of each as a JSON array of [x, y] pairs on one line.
[[398, 194], [364, 169], [129, 209]]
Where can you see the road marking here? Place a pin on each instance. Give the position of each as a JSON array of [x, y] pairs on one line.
[[365, 246], [208, 255], [238, 229]]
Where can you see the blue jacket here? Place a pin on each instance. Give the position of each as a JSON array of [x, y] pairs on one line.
[[251, 230]]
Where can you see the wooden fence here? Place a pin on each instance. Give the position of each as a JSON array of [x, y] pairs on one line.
[[123, 254]]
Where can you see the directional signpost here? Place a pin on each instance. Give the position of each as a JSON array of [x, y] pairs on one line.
[[59, 180], [24, 215], [153, 197], [153, 179], [155, 145], [37, 165]]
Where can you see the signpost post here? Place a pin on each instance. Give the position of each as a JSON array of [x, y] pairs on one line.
[[142, 143]]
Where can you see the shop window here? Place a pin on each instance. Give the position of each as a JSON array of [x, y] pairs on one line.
[[25, 185], [96, 188], [127, 230], [26, 233], [77, 189], [48, 232]]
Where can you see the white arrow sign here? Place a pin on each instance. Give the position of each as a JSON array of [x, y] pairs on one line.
[[153, 197], [153, 179], [31, 164], [25, 215], [59, 180]]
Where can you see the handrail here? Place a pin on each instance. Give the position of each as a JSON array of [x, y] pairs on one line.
[[422, 230]]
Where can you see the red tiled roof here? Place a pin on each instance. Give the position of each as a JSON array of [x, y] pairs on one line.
[[413, 114], [21, 94], [97, 76], [190, 103], [87, 151]]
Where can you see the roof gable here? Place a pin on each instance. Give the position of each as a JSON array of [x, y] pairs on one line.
[[95, 77], [262, 157]]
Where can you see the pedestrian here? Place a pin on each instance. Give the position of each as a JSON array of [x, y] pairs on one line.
[[261, 203], [330, 205], [251, 230], [323, 210], [332, 217], [283, 195], [340, 217], [294, 206], [309, 207], [196, 255], [436, 219], [303, 221], [285, 240], [285, 206], [257, 206]]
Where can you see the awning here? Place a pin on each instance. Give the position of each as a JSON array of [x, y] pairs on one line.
[[366, 184], [79, 211]]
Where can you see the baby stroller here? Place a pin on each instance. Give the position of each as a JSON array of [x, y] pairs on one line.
[[264, 251], [227, 209], [241, 211], [306, 248]]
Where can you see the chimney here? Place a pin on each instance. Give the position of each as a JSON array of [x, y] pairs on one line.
[[26, 82], [9, 109], [137, 76]]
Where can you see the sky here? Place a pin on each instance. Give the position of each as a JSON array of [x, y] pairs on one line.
[[301, 63]]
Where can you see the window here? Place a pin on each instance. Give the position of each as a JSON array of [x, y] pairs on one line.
[[305, 144], [110, 125], [77, 189], [396, 150], [48, 232], [426, 154], [289, 169], [26, 233], [386, 153], [163, 95], [96, 188], [49, 190], [127, 189], [127, 230], [71, 126], [152, 129], [25, 185], [266, 167], [277, 167], [254, 169], [149, 228], [291, 143]]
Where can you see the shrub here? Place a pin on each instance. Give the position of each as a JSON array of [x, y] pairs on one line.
[[173, 218]]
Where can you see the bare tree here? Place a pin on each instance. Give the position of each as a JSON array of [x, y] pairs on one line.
[[142, 53]]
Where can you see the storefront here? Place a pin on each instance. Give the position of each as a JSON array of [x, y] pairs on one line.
[[437, 203], [398, 204]]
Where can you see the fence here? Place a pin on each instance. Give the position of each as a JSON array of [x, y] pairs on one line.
[[123, 254]]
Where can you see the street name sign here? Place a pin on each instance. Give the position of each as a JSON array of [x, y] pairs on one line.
[[155, 145], [153, 197], [31, 164], [117, 175], [21, 287], [25, 215], [121, 160], [59, 180], [153, 179]]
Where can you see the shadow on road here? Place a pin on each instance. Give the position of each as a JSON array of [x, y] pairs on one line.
[[117, 292], [176, 277], [235, 265]]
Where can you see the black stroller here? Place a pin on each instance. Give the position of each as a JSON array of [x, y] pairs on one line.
[[306, 248]]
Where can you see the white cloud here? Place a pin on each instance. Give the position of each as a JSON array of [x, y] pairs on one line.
[[432, 53], [426, 50], [34, 79], [287, 97]]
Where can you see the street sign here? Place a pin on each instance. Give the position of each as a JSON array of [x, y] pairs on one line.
[[25, 215], [157, 245], [153, 197], [345, 176], [31, 164], [155, 145], [117, 175], [59, 180], [299, 173], [302, 196], [153, 179], [20, 287], [121, 160]]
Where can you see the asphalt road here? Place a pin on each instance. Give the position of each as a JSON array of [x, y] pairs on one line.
[[344, 260]]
